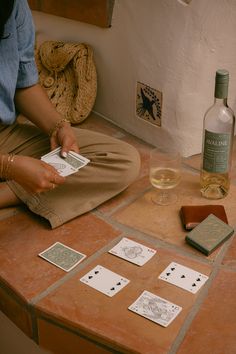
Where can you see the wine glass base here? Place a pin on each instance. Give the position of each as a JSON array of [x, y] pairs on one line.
[[164, 199]]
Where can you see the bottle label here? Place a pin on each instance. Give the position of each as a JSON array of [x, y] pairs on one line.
[[216, 152]]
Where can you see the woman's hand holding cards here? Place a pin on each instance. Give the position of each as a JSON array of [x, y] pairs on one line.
[[35, 176]]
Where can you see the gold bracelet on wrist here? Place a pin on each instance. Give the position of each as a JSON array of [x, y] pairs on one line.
[[6, 166], [10, 160], [57, 126], [2, 168]]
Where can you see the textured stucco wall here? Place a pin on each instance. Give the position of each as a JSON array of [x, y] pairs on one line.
[[169, 45]]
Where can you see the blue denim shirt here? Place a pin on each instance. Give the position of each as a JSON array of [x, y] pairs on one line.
[[17, 64]]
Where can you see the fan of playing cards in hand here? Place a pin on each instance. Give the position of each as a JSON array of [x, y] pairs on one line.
[[148, 305]]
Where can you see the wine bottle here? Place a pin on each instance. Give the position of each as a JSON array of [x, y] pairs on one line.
[[217, 142]]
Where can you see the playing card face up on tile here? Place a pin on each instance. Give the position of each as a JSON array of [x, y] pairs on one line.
[[132, 251], [104, 280], [65, 166], [62, 256], [183, 277], [155, 308]]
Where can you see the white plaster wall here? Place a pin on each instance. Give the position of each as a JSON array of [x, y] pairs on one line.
[[166, 44]]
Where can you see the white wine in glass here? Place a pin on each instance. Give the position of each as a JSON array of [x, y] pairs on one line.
[[165, 174]]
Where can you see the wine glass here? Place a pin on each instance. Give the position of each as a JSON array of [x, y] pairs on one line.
[[165, 174]]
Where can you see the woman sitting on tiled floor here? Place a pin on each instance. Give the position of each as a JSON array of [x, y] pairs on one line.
[[25, 178]]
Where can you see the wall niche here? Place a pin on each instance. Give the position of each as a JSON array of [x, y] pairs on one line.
[[95, 12]]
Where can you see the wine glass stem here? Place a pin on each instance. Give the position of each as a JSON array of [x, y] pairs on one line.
[[164, 196]]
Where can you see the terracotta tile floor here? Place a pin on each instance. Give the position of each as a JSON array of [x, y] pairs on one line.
[[65, 316]]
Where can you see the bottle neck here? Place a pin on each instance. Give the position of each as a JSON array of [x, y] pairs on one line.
[[221, 101]]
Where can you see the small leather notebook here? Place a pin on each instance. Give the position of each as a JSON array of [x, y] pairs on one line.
[[209, 234], [192, 215]]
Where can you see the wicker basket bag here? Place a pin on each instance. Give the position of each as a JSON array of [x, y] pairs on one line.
[[68, 74]]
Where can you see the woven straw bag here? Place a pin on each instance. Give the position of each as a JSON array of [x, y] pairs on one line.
[[68, 74]]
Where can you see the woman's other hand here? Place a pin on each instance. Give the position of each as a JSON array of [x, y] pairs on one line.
[[35, 176]]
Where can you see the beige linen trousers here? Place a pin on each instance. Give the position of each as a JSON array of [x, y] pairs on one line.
[[114, 165]]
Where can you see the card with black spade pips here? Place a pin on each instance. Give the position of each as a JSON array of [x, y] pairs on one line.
[[183, 277], [104, 280]]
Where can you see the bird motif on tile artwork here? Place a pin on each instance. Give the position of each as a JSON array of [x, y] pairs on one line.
[[147, 104]]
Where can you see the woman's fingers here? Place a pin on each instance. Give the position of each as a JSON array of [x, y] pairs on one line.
[[53, 175], [34, 175]]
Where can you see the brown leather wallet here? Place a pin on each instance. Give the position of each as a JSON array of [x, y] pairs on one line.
[[192, 215]]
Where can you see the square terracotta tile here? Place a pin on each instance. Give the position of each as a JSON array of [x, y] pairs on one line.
[[16, 311], [59, 340], [24, 236], [163, 222], [213, 328], [230, 256], [106, 320]]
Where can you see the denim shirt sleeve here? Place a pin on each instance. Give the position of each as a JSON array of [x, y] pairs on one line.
[[17, 63], [27, 73]]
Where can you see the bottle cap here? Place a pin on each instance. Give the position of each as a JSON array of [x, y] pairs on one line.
[[221, 83], [222, 76]]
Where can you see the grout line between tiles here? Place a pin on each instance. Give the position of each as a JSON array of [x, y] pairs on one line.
[[9, 213], [155, 242], [79, 332], [215, 263], [22, 303], [35, 333], [200, 299], [76, 270]]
